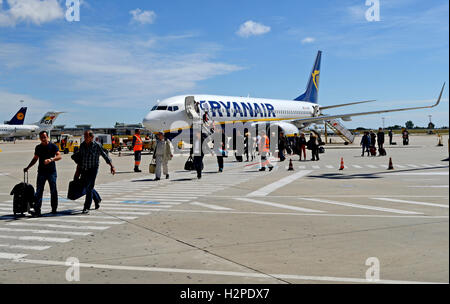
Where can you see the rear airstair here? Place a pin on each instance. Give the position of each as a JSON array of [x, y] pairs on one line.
[[341, 130]]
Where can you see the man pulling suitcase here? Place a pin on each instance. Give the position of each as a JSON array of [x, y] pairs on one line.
[[47, 154]]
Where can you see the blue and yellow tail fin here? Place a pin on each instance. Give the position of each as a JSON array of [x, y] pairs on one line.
[[312, 90], [19, 118]]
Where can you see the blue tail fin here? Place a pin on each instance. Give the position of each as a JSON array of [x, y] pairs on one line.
[[19, 118], [312, 90]]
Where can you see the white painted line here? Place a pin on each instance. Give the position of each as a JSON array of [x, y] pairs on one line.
[[210, 206], [409, 202], [45, 231], [418, 173], [105, 217], [311, 214], [359, 206], [50, 219], [59, 226], [330, 167], [36, 238], [216, 272], [302, 167], [426, 165], [413, 166], [371, 166], [149, 208], [279, 184], [12, 256], [356, 166], [132, 213], [25, 247], [151, 198], [315, 167], [431, 186], [279, 205]]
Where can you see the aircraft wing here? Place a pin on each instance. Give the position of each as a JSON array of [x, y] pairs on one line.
[[345, 104], [346, 116]]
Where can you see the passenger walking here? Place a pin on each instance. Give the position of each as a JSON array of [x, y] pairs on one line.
[[47, 153], [137, 146], [405, 135], [282, 144], [264, 150], [365, 143], [391, 135], [197, 152], [380, 139], [373, 139], [313, 145], [220, 148], [87, 167], [301, 144], [163, 154]]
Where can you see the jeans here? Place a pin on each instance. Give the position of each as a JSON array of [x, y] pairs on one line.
[[41, 179], [198, 164], [220, 162], [88, 177]]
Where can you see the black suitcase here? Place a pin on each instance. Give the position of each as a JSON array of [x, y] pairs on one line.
[[382, 152], [321, 150], [76, 190], [23, 199]]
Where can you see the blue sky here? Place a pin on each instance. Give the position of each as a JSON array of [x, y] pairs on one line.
[[122, 56]]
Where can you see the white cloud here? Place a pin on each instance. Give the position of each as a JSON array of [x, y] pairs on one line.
[[251, 28], [143, 17], [308, 40], [34, 11], [10, 103]]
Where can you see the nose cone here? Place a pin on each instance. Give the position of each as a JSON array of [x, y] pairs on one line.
[[152, 123]]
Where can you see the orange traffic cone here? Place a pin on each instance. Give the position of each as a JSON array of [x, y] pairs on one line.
[[391, 167], [440, 141], [342, 164], [291, 167]]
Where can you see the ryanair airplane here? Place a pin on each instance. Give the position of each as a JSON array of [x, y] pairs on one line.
[[177, 113], [45, 124]]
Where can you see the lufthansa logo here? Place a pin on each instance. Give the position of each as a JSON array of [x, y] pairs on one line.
[[315, 77], [20, 116]]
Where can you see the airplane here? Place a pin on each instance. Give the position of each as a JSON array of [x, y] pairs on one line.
[[175, 114], [45, 124], [19, 118]]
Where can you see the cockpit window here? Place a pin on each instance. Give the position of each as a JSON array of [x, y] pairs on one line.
[[170, 109], [161, 108], [175, 108], [154, 108]]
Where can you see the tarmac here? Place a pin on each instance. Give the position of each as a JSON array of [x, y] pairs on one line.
[[316, 224]]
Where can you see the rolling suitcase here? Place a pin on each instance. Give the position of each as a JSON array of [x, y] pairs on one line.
[[382, 152], [373, 151], [23, 199]]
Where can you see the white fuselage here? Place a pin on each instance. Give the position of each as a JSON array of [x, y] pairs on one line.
[[170, 114], [18, 130]]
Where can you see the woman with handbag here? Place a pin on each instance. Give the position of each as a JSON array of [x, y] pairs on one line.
[[161, 156]]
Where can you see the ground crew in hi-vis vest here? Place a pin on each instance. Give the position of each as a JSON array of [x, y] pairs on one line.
[[137, 148], [264, 150]]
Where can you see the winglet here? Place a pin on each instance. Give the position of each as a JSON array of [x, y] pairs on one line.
[[440, 95]]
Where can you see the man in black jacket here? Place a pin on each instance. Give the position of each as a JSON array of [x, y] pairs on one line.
[[380, 139]]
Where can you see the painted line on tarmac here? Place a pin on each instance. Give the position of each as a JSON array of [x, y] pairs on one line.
[[59, 226], [65, 220], [409, 202], [417, 173], [279, 205], [25, 247], [430, 186], [45, 231], [310, 214], [264, 191], [36, 238], [359, 206], [19, 258], [210, 206]]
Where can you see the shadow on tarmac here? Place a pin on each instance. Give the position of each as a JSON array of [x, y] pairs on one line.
[[13, 217]]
